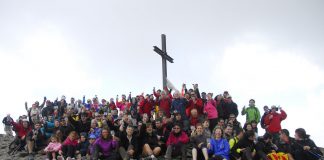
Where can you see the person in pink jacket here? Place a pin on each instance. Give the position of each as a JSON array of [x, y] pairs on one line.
[[211, 111], [53, 148], [176, 143]]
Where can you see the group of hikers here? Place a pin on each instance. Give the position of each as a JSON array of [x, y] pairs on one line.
[[183, 125]]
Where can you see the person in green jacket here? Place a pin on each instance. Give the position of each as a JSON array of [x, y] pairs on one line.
[[252, 112]]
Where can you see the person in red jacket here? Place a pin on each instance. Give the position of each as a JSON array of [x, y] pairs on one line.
[[176, 143], [145, 105], [21, 130], [273, 122], [194, 102], [164, 103]]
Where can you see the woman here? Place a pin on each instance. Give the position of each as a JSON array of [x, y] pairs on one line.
[[105, 145], [218, 147], [176, 143], [149, 141], [210, 110], [304, 148], [199, 140]]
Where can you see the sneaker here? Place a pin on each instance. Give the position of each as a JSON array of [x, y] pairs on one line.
[[60, 158]]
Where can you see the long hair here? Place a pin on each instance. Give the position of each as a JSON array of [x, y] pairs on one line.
[[109, 137]]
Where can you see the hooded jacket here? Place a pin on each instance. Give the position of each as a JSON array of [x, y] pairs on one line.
[[219, 147]]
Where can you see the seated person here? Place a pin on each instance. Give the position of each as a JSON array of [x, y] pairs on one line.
[[35, 139], [232, 142], [105, 146], [176, 143], [83, 144], [285, 143], [218, 146], [149, 141], [199, 142], [245, 147], [53, 148], [70, 146], [264, 147], [128, 143], [304, 148]]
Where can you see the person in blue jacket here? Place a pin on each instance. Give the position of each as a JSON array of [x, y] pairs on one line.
[[218, 147]]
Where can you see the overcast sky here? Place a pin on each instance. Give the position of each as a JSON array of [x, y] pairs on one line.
[[271, 51]]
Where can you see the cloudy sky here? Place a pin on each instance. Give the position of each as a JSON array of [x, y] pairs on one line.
[[271, 51]]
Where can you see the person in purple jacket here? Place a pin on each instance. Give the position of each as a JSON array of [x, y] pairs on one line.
[[105, 146]]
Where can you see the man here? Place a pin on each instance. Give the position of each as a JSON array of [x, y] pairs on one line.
[[179, 105], [232, 142], [228, 132], [128, 143], [230, 107], [273, 121], [8, 127], [252, 112], [235, 123], [266, 112], [35, 139], [82, 125], [285, 144], [264, 147]]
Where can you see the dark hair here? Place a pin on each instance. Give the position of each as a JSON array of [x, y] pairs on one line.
[[109, 134], [249, 134], [285, 131], [301, 133], [252, 100], [267, 136]]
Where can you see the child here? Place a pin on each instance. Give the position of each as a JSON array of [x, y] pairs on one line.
[[69, 146], [53, 147], [83, 145], [91, 148]]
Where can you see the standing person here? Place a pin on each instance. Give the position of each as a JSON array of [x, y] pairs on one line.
[[164, 103], [218, 147], [273, 121], [176, 143], [252, 112], [266, 112], [211, 111], [179, 105], [304, 148], [220, 106], [8, 126], [230, 107]]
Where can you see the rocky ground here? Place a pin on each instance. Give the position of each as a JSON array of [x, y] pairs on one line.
[[4, 143]]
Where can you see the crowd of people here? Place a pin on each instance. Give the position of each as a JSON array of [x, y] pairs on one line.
[[165, 124]]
